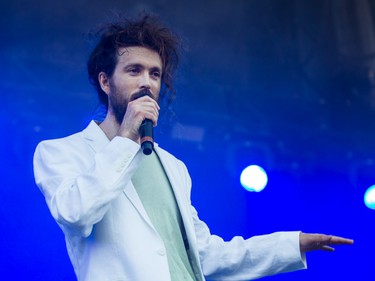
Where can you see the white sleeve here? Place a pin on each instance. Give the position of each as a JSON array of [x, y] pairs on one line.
[[78, 184], [247, 259]]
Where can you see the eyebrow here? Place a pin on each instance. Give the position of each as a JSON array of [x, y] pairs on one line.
[[138, 65]]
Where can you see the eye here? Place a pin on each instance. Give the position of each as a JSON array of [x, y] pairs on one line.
[[156, 74], [133, 70]]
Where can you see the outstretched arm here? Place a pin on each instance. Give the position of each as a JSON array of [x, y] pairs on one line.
[[313, 242]]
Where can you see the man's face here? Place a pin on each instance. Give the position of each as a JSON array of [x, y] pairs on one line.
[[138, 69]]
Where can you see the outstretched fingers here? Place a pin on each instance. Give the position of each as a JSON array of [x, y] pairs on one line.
[[312, 242]]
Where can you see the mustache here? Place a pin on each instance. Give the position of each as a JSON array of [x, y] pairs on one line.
[[141, 93]]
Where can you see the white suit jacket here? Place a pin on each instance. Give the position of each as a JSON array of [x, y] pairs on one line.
[[86, 181]]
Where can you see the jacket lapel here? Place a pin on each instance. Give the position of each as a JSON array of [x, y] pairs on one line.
[[185, 211], [133, 197], [97, 140], [175, 182]]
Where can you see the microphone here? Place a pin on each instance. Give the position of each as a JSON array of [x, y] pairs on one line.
[[146, 131]]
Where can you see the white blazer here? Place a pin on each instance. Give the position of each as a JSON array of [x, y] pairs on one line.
[[86, 181]]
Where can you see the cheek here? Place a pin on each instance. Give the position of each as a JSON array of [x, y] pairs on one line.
[[156, 86], [125, 87]]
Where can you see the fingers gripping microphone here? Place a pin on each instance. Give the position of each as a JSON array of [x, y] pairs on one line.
[[146, 131]]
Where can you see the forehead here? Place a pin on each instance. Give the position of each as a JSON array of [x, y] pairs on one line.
[[139, 55]]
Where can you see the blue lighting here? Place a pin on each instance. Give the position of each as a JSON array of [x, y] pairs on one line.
[[370, 197], [254, 178]]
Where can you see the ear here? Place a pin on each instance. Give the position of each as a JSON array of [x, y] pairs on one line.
[[104, 82]]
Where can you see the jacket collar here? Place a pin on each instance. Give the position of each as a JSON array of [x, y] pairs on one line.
[[96, 138]]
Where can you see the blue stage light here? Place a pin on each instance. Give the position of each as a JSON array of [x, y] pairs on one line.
[[370, 197], [254, 178]]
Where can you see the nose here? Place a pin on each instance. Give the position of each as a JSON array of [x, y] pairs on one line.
[[145, 82]]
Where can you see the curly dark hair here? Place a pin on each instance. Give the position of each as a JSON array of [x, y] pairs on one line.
[[146, 31]]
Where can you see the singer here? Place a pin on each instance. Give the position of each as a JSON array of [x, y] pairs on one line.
[[126, 215]]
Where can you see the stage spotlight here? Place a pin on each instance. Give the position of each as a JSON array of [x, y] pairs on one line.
[[254, 178], [370, 197]]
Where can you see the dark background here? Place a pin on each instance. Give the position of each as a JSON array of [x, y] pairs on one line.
[[286, 84]]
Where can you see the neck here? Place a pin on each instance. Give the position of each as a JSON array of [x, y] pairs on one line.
[[110, 126]]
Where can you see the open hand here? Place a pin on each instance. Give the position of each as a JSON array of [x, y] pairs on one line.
[[312, 242]]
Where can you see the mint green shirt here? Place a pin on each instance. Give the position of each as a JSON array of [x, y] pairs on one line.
[[158, 199]]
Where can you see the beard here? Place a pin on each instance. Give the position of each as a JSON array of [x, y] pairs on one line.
[[119, 103]]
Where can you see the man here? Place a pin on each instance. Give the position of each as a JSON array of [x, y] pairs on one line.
[[122, 225]]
